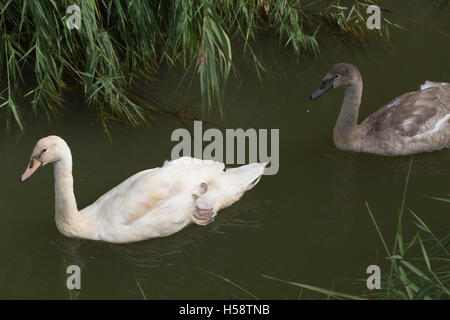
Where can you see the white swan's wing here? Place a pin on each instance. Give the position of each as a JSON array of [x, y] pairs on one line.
[[139, 194]]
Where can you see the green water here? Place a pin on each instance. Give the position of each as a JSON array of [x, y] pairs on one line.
[[308, 223]]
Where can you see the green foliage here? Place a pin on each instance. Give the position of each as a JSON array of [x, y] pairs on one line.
[[419, 269], [120, 41]]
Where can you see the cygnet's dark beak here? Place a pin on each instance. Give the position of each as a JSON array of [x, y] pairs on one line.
[[327, 85]]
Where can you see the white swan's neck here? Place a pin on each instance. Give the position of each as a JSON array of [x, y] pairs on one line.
[[68, 219], [347, 123]]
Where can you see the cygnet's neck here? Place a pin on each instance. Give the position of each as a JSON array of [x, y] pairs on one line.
[[347, 123]]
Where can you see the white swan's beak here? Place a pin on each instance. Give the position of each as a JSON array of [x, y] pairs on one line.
[[32, 167]]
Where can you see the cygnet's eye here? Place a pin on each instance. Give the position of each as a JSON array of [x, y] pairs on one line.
[[337, 76], [45, 150]]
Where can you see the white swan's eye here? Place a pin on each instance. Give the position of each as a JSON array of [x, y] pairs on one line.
[[45, 150]]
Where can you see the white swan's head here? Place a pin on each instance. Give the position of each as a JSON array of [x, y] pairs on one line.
[[341, 74], [47, 150]]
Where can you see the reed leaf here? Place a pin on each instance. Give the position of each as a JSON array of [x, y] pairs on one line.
[[118, 39]]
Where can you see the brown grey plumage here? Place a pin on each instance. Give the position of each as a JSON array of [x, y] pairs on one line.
[[415, 122]]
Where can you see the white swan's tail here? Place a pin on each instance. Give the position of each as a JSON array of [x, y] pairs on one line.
[[225, 190], [245, 177]]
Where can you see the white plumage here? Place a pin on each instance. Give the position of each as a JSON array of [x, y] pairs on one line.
[[152, 203]]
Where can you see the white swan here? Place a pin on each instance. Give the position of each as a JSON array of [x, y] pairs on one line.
[[417, 121], [152, 203]]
